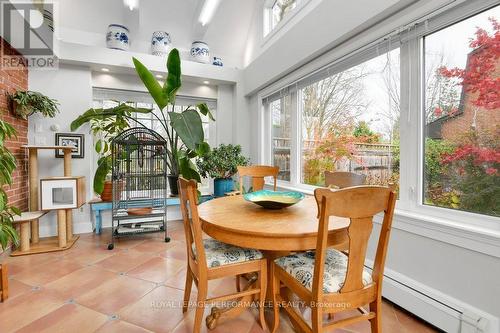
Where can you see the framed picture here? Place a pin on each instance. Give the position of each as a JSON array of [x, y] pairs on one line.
[[71, 139]]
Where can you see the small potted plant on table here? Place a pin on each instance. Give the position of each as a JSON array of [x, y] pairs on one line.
[[221, 164]]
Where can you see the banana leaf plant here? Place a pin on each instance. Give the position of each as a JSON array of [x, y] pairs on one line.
[[105, 124], [184, 130]]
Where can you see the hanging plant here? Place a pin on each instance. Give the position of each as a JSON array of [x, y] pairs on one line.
[[25, 103]]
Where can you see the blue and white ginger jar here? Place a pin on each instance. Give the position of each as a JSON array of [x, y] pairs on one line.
[[118, 37], [160, 43], [217, 62], [200, 52]]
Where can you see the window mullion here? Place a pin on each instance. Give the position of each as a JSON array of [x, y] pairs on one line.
[[295, 155]]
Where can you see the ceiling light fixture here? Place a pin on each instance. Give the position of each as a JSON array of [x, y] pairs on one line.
[[131, 4], [159, 76], [208, 11], [104, 69], [206, 82]]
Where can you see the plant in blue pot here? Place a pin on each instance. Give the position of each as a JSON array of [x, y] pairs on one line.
[[221, 164]]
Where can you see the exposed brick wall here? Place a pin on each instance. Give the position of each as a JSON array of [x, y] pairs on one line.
[[487, 121], [10, 81]]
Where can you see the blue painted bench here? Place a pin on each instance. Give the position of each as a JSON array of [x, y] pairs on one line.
[[97, 206]]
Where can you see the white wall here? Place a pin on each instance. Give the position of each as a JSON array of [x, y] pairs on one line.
[[72, 87]]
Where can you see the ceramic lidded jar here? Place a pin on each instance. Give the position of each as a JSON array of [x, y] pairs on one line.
[[200, 52], [160, 43], [118, 37], [217, 62]]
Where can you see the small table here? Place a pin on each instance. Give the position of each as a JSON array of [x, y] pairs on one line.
[[276, 233], [97, 206]]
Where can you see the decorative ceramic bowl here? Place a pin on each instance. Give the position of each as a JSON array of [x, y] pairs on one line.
[[200, 52], [274, 199], [118, 37]]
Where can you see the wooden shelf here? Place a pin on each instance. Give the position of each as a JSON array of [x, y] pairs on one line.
[[44, 245]]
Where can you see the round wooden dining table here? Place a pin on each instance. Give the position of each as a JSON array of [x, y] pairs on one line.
[[235, 221]]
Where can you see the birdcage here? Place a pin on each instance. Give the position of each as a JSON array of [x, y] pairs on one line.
[[139, 175]]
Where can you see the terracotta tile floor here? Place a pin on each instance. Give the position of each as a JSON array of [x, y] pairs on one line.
[[129, 289]]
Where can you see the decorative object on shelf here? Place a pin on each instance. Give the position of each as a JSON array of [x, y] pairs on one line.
[[62, 192], [139, 174], [217, 62], [24, 103], [118, 37], [71, 139], [274, 199], [160, 43], [222, 163], [200, 52]]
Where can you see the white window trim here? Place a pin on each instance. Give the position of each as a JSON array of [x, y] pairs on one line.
[[268, 31], [469, 230]]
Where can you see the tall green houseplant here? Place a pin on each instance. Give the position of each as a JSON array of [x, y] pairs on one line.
[[185, 137], [184, 130]]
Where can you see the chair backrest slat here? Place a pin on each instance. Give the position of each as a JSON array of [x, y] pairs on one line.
[[344, 179], [359, 204], [192, 225], [257, 172]]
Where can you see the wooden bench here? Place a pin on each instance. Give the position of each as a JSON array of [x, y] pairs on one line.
[[97, 206]]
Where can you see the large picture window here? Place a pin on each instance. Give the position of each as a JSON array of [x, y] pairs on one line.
[[462, 115], [350, 122], [418, 109]]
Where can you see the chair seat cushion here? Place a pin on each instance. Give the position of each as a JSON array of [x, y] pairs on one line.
[[219, 253], [301, 267]]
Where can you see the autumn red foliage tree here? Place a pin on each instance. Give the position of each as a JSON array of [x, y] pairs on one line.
[[477, 78]]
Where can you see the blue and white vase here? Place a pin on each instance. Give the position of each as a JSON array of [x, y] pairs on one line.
[[118, 37], [160, 43], [200, 52], [217, 62]]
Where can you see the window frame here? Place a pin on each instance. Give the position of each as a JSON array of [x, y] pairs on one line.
[[412, 122], [267, 18]]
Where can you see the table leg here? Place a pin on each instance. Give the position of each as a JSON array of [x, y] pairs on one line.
[[33, 185], [61, 227], [25, 236], [69, 224], [217, 313], [98, 222], [4, 283]]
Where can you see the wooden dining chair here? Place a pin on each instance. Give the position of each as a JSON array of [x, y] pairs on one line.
[[326, 279], [343, 179], [209, 259], [257, 172]]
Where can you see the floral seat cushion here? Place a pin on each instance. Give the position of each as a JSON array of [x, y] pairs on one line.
[[219, 254], [301, 267]]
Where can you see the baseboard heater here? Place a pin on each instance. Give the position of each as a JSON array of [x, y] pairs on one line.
[[438, 309]]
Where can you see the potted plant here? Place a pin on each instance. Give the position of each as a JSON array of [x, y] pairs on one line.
[[221, 164], [105, 124], [7, 166], [183, 130], [25, 103]]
